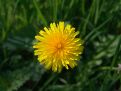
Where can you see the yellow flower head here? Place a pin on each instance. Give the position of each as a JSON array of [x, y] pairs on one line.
[[58, 47]]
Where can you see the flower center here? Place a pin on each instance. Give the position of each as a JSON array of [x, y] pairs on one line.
[[59, 46]]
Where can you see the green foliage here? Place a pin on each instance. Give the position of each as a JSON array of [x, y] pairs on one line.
[[99, 23]]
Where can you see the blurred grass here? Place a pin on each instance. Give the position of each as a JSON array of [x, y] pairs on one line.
[[99, 23]]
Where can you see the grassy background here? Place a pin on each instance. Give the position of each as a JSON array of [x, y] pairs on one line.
[[99, 23]]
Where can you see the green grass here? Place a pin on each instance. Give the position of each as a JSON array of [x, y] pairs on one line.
[[99, 23]]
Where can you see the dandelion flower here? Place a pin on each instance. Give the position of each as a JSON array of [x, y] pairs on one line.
[[58, 47]]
